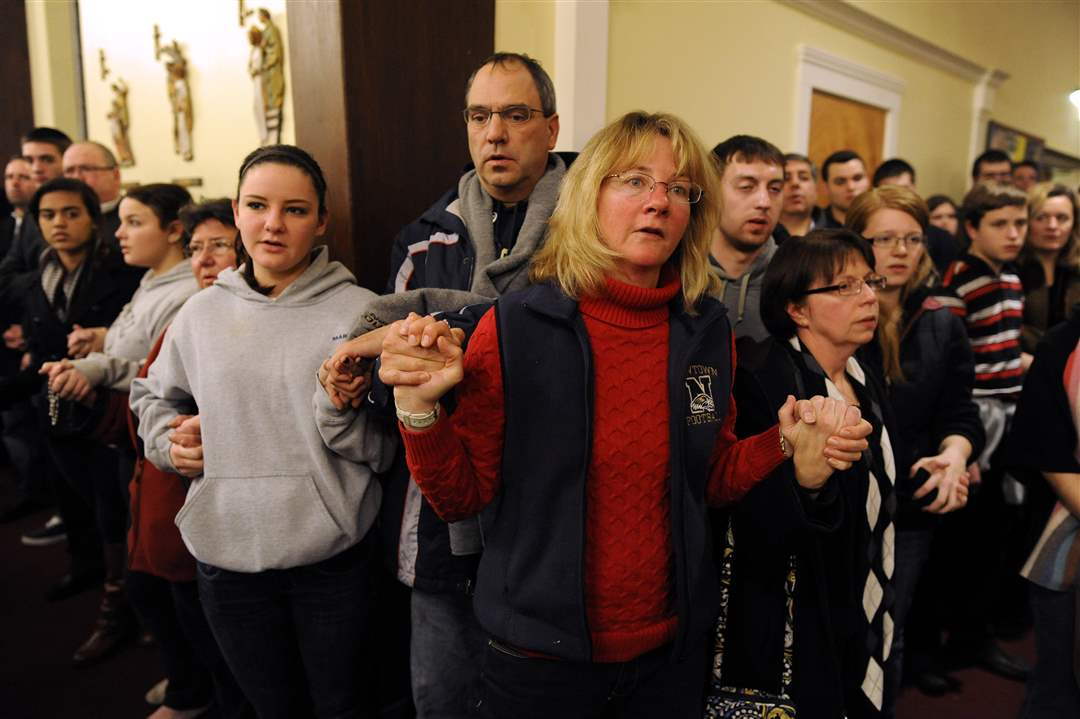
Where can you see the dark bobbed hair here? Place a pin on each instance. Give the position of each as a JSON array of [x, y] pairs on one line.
[[935, 201], [291, 156], [220, 209], [799, 263], [68, 184], [49, 135], [747, 148], [839, 158], [893, 167], [987, 197], [989, 156], [163, 199], [544, 86]]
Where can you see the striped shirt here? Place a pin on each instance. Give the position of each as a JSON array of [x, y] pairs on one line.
[[992, 307]]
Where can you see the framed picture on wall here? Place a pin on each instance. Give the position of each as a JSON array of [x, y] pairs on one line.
[[1017, 144]]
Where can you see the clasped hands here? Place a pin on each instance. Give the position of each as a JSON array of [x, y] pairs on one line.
[[422, 360], [64, 379]]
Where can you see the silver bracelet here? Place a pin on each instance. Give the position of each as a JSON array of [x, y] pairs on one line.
[[418, 420]]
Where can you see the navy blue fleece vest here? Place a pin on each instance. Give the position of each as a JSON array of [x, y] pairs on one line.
[[531, 584]]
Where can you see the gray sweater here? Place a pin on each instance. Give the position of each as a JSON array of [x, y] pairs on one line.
[[273, 494], [137, 327]]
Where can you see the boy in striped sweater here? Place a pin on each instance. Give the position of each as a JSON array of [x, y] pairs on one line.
[[982, 287]]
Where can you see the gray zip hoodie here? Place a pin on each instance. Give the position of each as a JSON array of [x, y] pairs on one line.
[[273, 495], [742, 295], [137, 327]]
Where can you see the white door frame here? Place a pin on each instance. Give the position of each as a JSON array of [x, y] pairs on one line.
[[820, 70]]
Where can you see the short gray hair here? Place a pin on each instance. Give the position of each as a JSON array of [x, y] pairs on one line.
[[796, 157], [544, 86]]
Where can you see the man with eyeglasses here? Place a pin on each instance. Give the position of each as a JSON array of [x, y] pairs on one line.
[[95, 164], [751, 198], [473, 245]]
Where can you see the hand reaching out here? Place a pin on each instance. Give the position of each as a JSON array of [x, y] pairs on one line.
[[949, 475]]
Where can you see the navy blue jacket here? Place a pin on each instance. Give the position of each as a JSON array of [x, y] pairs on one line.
[[530, 589]]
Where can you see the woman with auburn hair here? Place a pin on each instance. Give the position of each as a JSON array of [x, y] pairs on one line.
[[597, 562], [925, 358], [1050, 260]]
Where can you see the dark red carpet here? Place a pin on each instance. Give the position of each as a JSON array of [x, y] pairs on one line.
[[37, 680]]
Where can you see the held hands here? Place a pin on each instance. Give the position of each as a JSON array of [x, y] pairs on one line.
[[84, 340], [422, 360], [949, 475], [186, 451], [825, 435], [346, 374], [68, 382]]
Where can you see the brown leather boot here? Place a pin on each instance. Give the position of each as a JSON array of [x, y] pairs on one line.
[[115, 626], [116, 623]]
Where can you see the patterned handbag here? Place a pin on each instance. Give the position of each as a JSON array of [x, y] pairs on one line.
[[727, 702]]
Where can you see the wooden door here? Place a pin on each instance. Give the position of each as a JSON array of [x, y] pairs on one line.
[[838, 123]]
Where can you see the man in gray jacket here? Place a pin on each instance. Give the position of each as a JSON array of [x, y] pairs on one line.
[[471, 246], [752, 193]]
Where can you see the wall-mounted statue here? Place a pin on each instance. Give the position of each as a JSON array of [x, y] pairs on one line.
[[179, 94], [119, 121], [266, 64]]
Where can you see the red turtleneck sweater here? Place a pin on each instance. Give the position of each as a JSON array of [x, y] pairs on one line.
[[628, 556]]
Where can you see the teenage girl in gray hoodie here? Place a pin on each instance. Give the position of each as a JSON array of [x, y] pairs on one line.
[[275, 518]]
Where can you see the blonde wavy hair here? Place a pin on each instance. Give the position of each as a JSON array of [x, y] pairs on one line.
[[575, 256], [1037, 197], [858, 217]]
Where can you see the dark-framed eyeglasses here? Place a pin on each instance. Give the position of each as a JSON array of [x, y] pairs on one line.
[[887, 242], [479, 116], [633, 184], [853, 285]]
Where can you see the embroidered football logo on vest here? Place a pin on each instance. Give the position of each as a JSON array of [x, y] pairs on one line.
[[701, 396]]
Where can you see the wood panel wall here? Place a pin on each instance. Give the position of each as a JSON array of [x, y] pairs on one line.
[[378, 89], [840, 123], [16, 102]]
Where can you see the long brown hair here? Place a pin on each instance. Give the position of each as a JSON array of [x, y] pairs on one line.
[[858, 217]]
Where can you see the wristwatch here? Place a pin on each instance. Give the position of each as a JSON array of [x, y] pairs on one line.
[[785, 448], [418, 420]]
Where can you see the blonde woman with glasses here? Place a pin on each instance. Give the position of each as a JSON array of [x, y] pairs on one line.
[[593, 426]]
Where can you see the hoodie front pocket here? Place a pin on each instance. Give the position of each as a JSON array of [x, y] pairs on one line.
[[248, 524]]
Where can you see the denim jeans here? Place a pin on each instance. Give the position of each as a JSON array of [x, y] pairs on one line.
[[447, 646], [912, 551], [1052, 691], [652, 685], [296, 639]]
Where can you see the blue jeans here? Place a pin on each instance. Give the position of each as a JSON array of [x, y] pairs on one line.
[[1052, 691], [912, 551], [447, 646], [296, 639], [652, 685]]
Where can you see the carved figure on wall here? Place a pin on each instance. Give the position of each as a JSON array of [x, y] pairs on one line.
[[266, 64], [119, 121], [179, 99]]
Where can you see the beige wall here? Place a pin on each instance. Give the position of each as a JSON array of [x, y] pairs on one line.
[[731, 67], [527, 26], [216, 49], [54, 82], [1037, 43]]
